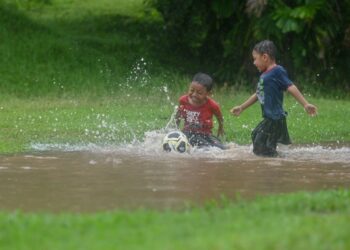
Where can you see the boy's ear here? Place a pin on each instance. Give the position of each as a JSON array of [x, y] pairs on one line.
[[265, 56]]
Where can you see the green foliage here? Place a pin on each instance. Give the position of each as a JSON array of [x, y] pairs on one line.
[[180, 18], [312, 36], [28, 4], [310, 33], [68, 46]]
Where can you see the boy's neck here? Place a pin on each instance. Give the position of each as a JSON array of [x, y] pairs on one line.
[[271, 66]]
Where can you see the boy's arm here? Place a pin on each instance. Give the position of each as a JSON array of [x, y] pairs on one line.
[[221, 126], [309, 108], [218, 115], [239, 109], [177, 118]]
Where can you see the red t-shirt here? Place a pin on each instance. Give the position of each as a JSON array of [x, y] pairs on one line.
[[198, 119]]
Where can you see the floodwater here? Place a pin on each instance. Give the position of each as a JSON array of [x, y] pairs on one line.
[[90, 178]]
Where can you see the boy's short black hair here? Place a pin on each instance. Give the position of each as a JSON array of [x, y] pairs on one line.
[[204, 80], [266, 47]]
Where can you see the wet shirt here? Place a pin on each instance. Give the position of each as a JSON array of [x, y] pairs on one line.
[[270, 90], [198, 119]]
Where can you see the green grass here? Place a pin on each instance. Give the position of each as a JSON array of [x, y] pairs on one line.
[[328, 126], [129, 114], [295, 221], [70, 47], [104, 121]]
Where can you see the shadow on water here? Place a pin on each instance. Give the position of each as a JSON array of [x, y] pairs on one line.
[[89, 178]]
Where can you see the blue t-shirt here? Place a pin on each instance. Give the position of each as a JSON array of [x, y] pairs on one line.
[[270, 90]]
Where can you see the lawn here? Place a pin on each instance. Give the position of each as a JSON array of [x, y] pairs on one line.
[[295, 221], [97, 72]]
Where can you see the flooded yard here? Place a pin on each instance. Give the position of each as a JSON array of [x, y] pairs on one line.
[[90, 178]]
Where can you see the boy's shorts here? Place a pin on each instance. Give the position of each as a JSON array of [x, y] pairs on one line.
[[267, 134], [204, 140]]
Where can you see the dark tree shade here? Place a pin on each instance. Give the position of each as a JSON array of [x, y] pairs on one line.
[[313, 36]]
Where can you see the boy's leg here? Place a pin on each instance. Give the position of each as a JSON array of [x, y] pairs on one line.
[[283, 135], [264, 143], [203, 140], [196, 139], [215, 142]]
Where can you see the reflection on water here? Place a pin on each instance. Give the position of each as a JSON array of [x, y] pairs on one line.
[[90, 178]]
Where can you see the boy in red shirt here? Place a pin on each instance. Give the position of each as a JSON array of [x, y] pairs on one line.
[[196, 108]]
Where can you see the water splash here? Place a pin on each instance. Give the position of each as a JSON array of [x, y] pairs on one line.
[[139, 74], [151, 147], [171, 125], [318, 153]]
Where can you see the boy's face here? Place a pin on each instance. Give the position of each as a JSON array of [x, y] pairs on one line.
[[197, 93], [260, 61]]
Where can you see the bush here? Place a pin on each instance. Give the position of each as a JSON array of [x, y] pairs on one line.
[[312, 36]]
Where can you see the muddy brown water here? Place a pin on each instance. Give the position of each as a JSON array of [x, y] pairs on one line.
[[90, 179]]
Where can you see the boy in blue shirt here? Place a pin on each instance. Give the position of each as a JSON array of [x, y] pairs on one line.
[[272, 83]]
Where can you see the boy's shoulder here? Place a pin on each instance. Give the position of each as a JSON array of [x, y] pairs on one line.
[[279, 69], [212, 102], [183, 98], [211, 99], [275, 70], [278, 75]]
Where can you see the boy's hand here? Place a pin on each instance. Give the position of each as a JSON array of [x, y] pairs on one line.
[[310, 109], [236, 110]]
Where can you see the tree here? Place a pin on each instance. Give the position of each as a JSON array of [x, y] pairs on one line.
[[313, 36]]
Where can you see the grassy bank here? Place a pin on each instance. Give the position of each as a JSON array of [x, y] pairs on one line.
[[69, 48], [98, 72], [126, 117], [296, 221]]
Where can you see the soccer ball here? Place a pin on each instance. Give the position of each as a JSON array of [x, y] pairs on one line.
[[176, 141]]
